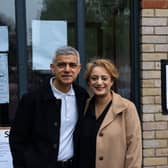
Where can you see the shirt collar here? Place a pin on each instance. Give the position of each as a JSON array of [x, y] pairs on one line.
[[71, 92]]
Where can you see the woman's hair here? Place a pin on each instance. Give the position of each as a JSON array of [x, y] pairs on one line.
[[102, 62]]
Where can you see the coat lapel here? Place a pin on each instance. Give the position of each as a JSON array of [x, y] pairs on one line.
[[81, 97], [116, 107]]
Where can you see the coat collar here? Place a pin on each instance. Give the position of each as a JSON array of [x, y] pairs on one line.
[[47, 93], [118, 106]]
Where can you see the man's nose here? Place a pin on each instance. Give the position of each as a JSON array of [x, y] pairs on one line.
[[67, 67]]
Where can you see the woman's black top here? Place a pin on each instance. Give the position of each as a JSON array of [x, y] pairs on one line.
[[89, 127]]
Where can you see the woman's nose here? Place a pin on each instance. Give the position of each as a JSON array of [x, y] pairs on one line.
[[99, 80]]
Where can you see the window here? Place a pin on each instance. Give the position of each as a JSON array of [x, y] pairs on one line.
[[7, 18], [106, 33]]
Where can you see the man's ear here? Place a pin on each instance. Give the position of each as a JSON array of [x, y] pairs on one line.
[[79, 68], [52, 68]]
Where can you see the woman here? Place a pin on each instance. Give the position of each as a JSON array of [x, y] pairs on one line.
[[109, 133]]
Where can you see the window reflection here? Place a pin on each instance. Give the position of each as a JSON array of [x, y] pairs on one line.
[[107, 28], [47, 10], [107, 35]]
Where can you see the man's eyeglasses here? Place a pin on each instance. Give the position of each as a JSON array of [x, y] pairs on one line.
[[64, 65]]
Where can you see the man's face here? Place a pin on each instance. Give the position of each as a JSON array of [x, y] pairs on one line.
[[65, 69]]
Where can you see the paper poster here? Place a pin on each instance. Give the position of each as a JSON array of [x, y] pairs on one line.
[[47, 36], [4, 82], [5, 154], [4, 46]]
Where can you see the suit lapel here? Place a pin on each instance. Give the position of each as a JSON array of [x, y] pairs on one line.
[[80, 99]]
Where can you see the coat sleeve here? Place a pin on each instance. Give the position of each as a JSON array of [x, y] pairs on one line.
[[19, 137], [134, 139]]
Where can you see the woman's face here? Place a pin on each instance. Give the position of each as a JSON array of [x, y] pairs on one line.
[[100, 81]]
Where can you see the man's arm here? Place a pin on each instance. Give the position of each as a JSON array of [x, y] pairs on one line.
[[19, 138]]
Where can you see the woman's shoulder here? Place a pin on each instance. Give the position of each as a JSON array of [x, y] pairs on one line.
[[122, 100]]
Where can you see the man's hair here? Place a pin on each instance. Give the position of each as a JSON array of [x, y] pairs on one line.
[[66, 50]]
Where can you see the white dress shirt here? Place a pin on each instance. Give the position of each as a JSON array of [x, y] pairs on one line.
[[68, 121]]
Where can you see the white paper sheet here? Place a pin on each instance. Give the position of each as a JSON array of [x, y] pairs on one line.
[[4, 79], [5, 154], [4, 46], [47, 36]]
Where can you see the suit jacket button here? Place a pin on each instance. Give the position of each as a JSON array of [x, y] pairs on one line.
[[101, 158], [54, 146], [55, 124]]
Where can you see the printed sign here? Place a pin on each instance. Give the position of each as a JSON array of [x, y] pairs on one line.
[[47, 36], [5, 154], [164, 85], [4, 82], [4, 46]]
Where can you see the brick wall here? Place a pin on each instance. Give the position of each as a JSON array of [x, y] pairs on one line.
[[154, 42]]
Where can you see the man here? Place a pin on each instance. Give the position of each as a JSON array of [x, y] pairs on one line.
[[42, 135]]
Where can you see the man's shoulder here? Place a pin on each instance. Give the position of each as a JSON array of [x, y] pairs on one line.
[[37, 93], [79, 89], [31, 95]]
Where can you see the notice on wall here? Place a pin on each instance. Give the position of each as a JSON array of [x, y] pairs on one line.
[[47, 36], [4, 46], [4, 81], [5, 154]]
